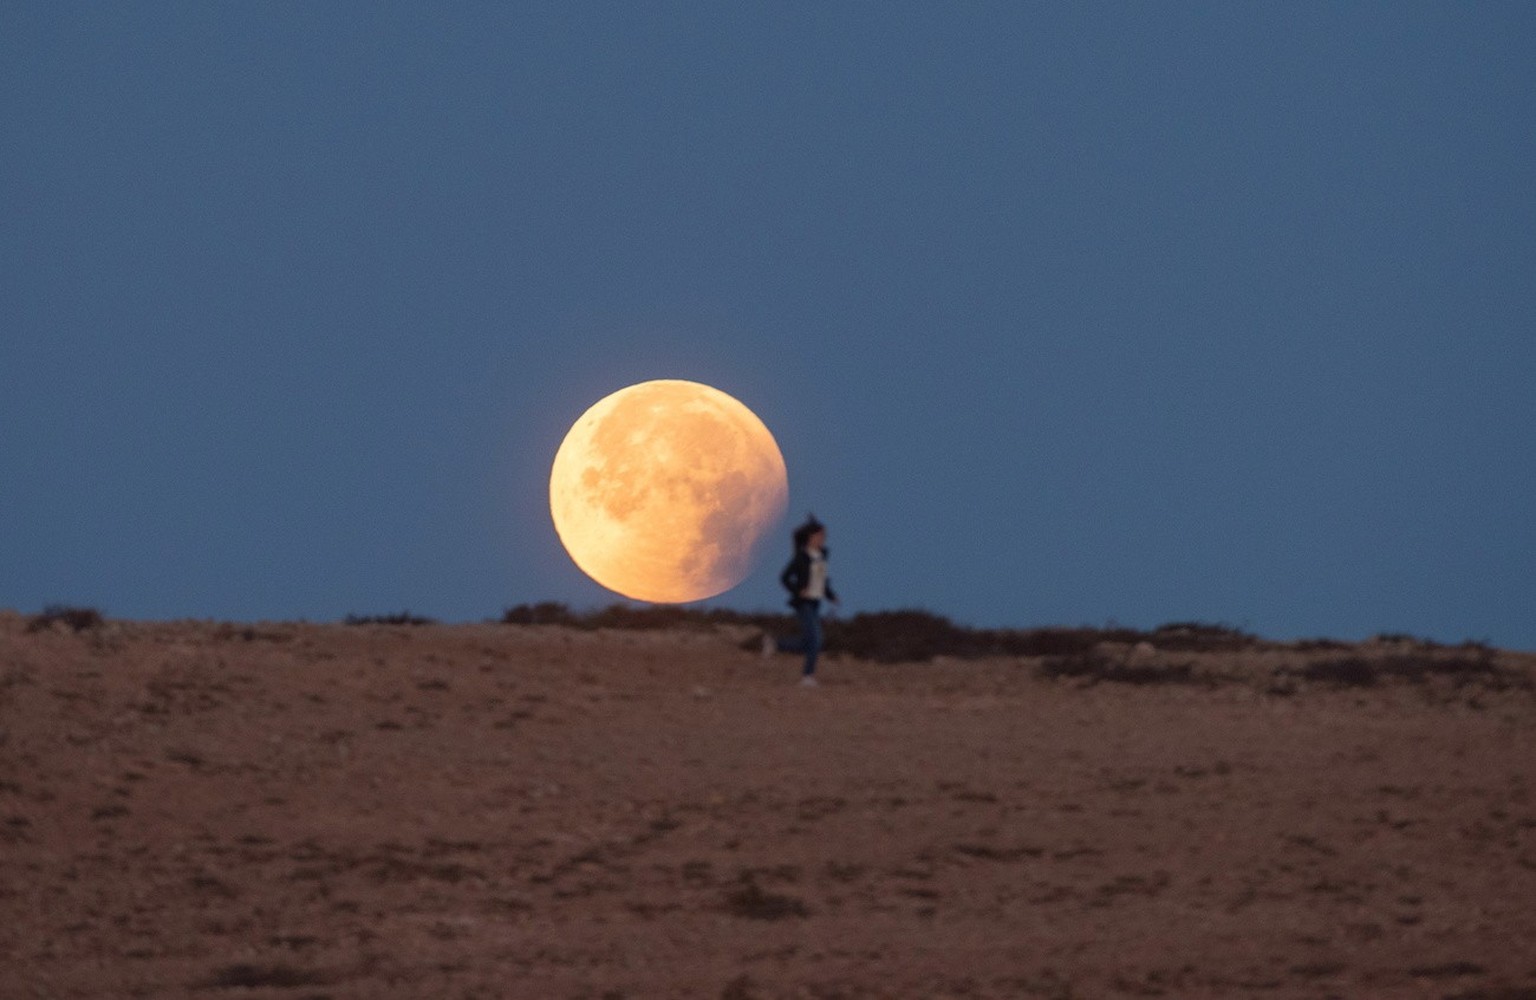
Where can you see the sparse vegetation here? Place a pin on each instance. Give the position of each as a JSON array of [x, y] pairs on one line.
[[1344, 671], [400, 618], [913, 636], [902, 636], [1414, 668], [1199, 637], [1403, 638], [639, 618], [543, 613], [77, 619], [906, 635], [228, 631], [1315, 645]]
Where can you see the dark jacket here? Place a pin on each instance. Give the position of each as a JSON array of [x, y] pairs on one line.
[[798, 574]]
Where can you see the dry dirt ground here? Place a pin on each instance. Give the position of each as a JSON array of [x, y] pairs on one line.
[[323, 811]]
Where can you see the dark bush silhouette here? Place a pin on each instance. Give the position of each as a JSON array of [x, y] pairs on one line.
[[78, 619], [401, 618], [907, 635], [1198, 637], [1420, 668], [543, 613], [1404, 637], [1357, 671], [1066, 641], [1344, 671], [1317, 645], [902, 636], [663, 616], [912, 635], [640, 618]]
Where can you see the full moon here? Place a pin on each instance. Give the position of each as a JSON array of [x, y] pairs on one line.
[[662, 491]]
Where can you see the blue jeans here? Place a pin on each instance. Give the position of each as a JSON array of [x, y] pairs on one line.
[[808, 614]]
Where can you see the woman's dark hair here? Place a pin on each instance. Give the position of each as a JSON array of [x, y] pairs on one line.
[[803, 533]]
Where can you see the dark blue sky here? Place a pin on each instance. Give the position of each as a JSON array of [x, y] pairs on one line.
[[1061, 313]]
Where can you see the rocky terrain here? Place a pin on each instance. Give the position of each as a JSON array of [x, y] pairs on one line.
[[373, 811]]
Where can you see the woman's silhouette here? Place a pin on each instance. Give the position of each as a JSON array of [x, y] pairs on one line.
[[808, 584]]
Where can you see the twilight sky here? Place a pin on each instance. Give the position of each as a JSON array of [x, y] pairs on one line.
[[1062, 313]]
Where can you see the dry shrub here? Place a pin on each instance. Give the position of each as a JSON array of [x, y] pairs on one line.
[[1412, 668], [400, 618], [1317, 645], [229, 631], [901, 637], [1066, 641], [1199, 637], [543, 613], [915, 635], [78, 619], [657, 617], [1343, 671], [912, 635], [1404, 638]]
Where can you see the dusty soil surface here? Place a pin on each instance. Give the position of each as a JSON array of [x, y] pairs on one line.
[[303, 811]]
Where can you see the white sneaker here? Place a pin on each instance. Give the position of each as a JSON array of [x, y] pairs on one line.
[[808, 681], [769, 646]]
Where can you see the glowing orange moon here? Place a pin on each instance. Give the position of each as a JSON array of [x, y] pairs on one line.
[[662, 491]]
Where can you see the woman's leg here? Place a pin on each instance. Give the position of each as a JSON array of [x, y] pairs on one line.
[[808, 614], [810, 628]]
